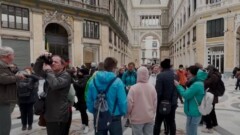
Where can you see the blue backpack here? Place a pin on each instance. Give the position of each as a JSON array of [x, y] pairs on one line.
[[102, 114]]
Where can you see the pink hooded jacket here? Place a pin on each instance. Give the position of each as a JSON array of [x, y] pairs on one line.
[[142, 99]]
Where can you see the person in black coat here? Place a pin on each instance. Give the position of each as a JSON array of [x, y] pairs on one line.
[[27, 96], [166, 90], [79, 84]]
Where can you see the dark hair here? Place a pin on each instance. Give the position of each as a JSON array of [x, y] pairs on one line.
[[193, 70], [110, 63], [181, 66]]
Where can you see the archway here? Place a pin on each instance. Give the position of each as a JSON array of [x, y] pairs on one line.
[[238, 47], [150, 53], [56, 40]]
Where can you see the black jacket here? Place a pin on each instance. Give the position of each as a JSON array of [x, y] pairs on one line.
[[165, 87], [34, 91]]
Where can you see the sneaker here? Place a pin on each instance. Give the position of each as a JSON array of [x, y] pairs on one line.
[[24, 128], [30, 127], [86, 130], [206, 130]]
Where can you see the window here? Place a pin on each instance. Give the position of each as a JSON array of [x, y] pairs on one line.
[[150, 20], [14, 17], [143, 54], [183, 41], [215, 28], [110, 35], [189, 11], [90, 2], [194, 34], [90, 29], [180, 44], [194, 5], [115, 39], [214, 1], [188, 42]]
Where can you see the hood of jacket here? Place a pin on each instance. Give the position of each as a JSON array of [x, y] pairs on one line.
[[201, 76], [103, 78], [142, 75]]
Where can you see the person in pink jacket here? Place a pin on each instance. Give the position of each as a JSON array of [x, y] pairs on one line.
[[142, 104]]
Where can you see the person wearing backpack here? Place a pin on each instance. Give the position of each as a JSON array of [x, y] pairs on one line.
[[27, 95], [212, 83], [106, 100], [142, 104], [195, 92]]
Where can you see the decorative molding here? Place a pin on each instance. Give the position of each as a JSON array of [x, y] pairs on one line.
[[49, 16]]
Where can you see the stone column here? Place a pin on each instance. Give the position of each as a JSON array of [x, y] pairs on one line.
[[229, 46], [104, 42], [200, 43], [37, 32], [77, 46]]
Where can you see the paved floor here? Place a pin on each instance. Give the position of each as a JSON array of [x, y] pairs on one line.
[[227, 111]]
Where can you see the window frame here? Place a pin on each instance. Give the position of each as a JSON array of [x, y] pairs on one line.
[[215, 28], [91, 29], [14, 14]]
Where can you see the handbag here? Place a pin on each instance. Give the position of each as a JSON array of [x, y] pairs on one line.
[[39, 106], [165, 105], [42, 121]]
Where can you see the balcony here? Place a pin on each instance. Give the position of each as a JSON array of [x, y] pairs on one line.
[[79, 5]]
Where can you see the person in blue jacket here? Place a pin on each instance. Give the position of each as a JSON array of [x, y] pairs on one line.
[[129, 77], [116, 91]]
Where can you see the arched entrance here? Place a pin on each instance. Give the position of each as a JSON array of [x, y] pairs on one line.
[[56, 40], [150, 53]]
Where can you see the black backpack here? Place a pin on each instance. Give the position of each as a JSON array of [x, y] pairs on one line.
[[25, 87], [102, 115], [220, 88]]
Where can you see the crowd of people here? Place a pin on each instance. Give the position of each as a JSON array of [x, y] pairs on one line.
[[145, 96]]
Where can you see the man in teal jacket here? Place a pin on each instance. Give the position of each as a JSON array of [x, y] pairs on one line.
[[195, 90], [116, 91], [129, 77]]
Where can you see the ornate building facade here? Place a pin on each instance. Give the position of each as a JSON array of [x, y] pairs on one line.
[[85, 31], [204, 31], [147, 31]]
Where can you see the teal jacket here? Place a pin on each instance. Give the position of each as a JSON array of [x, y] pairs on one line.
[[195, 90], [129, 78], [116, 91]]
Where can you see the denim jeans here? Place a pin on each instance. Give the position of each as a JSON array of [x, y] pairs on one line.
[[192, 125], [142, 129], [5, 119], [114, 129]]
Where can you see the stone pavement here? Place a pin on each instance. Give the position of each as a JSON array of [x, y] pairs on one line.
[[227, 112]]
